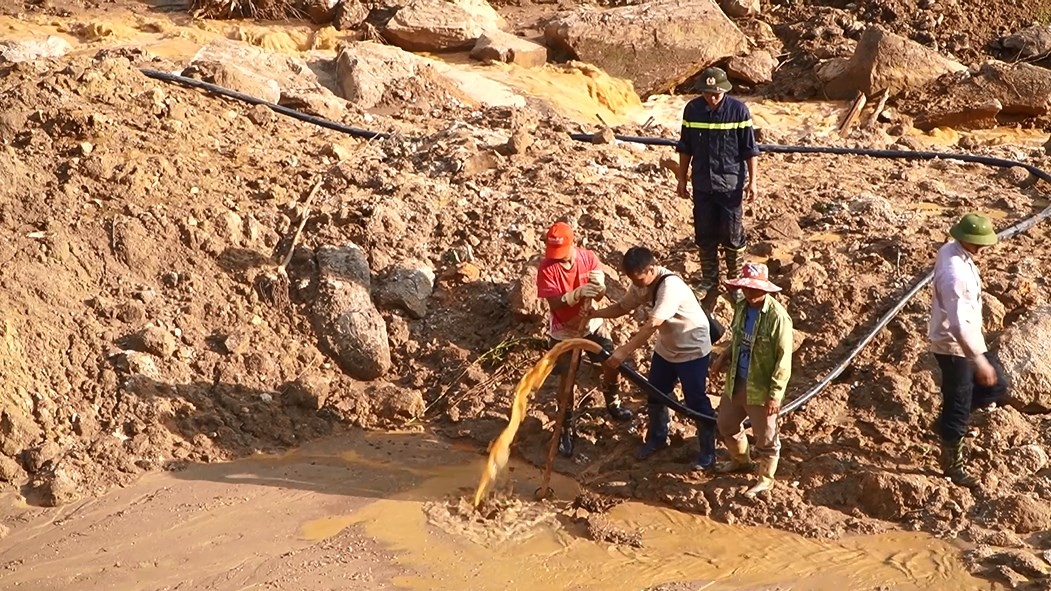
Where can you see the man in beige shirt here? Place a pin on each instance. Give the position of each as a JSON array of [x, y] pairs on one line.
[[681, 354], [971, 377]]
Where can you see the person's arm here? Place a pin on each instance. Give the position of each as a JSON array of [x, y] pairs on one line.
[[782, 360], [685, 150], [617, 309], [749, 152]]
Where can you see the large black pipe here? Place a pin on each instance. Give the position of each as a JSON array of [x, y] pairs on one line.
[[626, 371]]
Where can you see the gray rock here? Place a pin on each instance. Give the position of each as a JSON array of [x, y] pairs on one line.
[[441, 25], [525, 305], [408, 287], [755, 68], [348, 324], [1026, 357], [1031, 42]]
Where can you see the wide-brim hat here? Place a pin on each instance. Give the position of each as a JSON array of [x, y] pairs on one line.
[[754, 276], [713, 80]]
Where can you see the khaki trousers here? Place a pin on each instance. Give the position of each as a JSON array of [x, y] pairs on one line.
[[732, 413]]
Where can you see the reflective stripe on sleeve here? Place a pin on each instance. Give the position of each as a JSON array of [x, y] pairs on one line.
[[705, 125]]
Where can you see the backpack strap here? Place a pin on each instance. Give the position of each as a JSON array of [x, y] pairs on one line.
[[715, 328]]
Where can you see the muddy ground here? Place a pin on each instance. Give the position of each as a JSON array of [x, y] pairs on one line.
[[142, 215]]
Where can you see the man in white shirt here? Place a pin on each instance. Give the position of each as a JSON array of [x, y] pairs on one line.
[[971, 377], [682, 352]]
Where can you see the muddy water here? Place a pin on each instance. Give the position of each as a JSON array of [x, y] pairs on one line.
[[452, 552]]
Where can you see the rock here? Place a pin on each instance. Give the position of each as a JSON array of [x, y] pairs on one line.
[[59, 488], [1031, 42], [369, 73], [137, 363], [657, 45], [1009, 576], [349, 15], [322, 11], [18, 431], [1018, 176], [499, 46], [442, 25], [396, 404], [831, 69], [978, 116], [604, 136], [234, 77], [993, 312], [1019, 90], [33, 49], [155, 341], [298, 84], [884, 60], [1021, 561], [1020, 513], [38, 458], [1027, 459], [887, 495], [348, 324], [408, 288], [320, 104], [309, 391], [740, 8], [12, 122], [523, 301], [1026, 358], [10, 470], [519, 142], [784, 227], [755, 68], [809, 275]]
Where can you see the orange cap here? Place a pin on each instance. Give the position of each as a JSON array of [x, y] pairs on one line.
[[559, 241]]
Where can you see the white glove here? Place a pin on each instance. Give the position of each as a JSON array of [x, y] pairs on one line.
[[598, 278], [588, 290]]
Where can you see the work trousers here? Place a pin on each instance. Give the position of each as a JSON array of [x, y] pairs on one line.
[[732, 413], [961, 394]]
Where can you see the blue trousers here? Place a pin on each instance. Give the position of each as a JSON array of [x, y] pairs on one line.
[[692, 375]]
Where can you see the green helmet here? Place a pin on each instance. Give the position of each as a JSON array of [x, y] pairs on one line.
[[713, 80], [974, 229]]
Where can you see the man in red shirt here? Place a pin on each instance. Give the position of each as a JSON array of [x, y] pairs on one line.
[[567, 278]]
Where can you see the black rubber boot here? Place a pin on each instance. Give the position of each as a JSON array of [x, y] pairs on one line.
[[616, 410], [952, 463], [734, 259], [566, 439], [706, 446]]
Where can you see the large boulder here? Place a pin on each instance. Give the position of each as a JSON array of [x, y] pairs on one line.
[[34, 49], [755, 68], [740, 8], [442, 25], [885, 61], [349, 326], [975, 101], [657, 45], [283, 79], [1026, 357], [504, 47], [1031, 42], [370, 74]]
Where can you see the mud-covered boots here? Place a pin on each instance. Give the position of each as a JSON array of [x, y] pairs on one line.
[[567, 437], [656, 433], [952, 463], [709, 258], [706, 443], [617, 411], [767, 468], [739, 458], [734, 259]]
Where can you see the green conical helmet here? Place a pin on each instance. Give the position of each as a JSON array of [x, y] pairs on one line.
[[974, 228], [713, 80]]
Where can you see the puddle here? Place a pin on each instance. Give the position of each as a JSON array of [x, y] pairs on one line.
[[826, 237], [451, 550]]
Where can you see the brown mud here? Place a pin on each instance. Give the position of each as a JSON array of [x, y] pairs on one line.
[[140, 215]]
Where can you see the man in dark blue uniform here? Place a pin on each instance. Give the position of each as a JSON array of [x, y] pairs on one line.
[[718, 139]]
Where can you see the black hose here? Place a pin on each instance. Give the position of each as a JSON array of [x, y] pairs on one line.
[[320, 122], [626, 371]]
